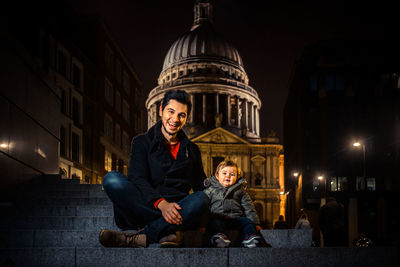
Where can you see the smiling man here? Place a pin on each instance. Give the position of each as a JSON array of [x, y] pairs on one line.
[[164, 166]]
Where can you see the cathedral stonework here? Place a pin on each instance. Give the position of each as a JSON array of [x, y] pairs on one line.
[[224, 121]]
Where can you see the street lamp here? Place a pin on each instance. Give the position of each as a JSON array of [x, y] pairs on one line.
[[295, 174], [358, 144], [323, 199]]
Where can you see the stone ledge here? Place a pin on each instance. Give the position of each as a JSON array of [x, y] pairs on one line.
[[378, 256], [288, 238]]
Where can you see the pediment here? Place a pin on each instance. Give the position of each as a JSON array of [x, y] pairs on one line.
[[258, 158], [219, 136]]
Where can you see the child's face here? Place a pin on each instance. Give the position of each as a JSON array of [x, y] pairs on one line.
[[227, 176]]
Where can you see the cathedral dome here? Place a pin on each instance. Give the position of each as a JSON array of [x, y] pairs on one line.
[[203, 43], [211, 71]]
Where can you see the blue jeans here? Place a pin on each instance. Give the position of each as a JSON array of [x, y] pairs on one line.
[[246, 226], [137, 213]]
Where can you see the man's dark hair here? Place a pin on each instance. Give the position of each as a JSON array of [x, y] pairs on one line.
[[178, 95]]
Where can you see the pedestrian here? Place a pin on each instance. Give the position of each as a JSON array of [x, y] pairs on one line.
[[164, 166], [281, 223], [303, 222], [331, 223]]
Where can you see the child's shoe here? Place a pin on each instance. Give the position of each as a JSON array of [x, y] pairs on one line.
[[251, 241], [220, 240]]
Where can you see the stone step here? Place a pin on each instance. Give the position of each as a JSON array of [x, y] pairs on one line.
[[80, 210], [33, 194], [63, 201], [61, 187], [99, 256], [57, 223], [49, 238], [53, 179]]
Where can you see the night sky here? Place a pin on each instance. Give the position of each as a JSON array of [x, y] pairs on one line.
[[269, 35]]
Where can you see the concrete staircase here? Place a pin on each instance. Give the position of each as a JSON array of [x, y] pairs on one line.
[[55, 222]]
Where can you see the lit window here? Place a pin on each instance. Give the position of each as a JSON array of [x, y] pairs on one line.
[[107, 161], [371, 186]]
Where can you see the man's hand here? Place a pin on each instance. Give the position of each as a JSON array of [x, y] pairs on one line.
[[170, 212]]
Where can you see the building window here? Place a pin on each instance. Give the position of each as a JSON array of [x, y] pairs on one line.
[[64, 102], [108, 127], [125, 142], [62, 63], [215, 162], [234, 110], [313, 83], [118, 102], [75, 147], [118, 71], [63, 141], [76, 117], [337, 184], [107, 161], [371, 185], [334, 82], [258, 179], [125, 111], [126, 82], [76, 76], [109, 92], [117, 135], [109, 58]]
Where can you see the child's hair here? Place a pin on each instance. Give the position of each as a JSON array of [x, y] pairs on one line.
[[227, 163]]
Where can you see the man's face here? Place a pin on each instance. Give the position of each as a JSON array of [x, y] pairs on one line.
[[227, 176], [173, 118]]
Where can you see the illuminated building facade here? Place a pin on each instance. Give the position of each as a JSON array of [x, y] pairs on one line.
[[225, 118]]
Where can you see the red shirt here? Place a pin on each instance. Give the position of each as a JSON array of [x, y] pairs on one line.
[[173, 153], [173, 150]]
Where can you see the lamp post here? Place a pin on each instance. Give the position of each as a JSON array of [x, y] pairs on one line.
[[358, 144], [323, 199]]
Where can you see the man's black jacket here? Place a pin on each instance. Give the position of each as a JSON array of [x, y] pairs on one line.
[[156, 175]]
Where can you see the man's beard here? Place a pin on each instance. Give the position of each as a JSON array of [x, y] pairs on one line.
[[165, 129]]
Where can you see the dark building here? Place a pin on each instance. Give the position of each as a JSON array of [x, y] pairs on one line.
[[70, 98], [342, 135]]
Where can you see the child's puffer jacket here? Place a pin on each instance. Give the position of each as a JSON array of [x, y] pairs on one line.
[[232, 201]]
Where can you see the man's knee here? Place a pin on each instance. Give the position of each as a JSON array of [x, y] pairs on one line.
[[200, 201], [113, 181]]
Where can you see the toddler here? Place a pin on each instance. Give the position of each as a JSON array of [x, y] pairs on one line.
[[231, 207]]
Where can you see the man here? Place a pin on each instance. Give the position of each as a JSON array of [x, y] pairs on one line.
[[164, 166], [332, 223]]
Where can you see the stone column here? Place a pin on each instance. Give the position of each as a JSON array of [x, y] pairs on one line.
[[217, 103], [246, 114], [240, 113], [191, 117], [258, 121], [252, 117], [204, 108], [237, 111], [228, 100]]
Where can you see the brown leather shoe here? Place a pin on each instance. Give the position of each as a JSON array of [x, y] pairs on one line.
[[172, 240], [111, 238]]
